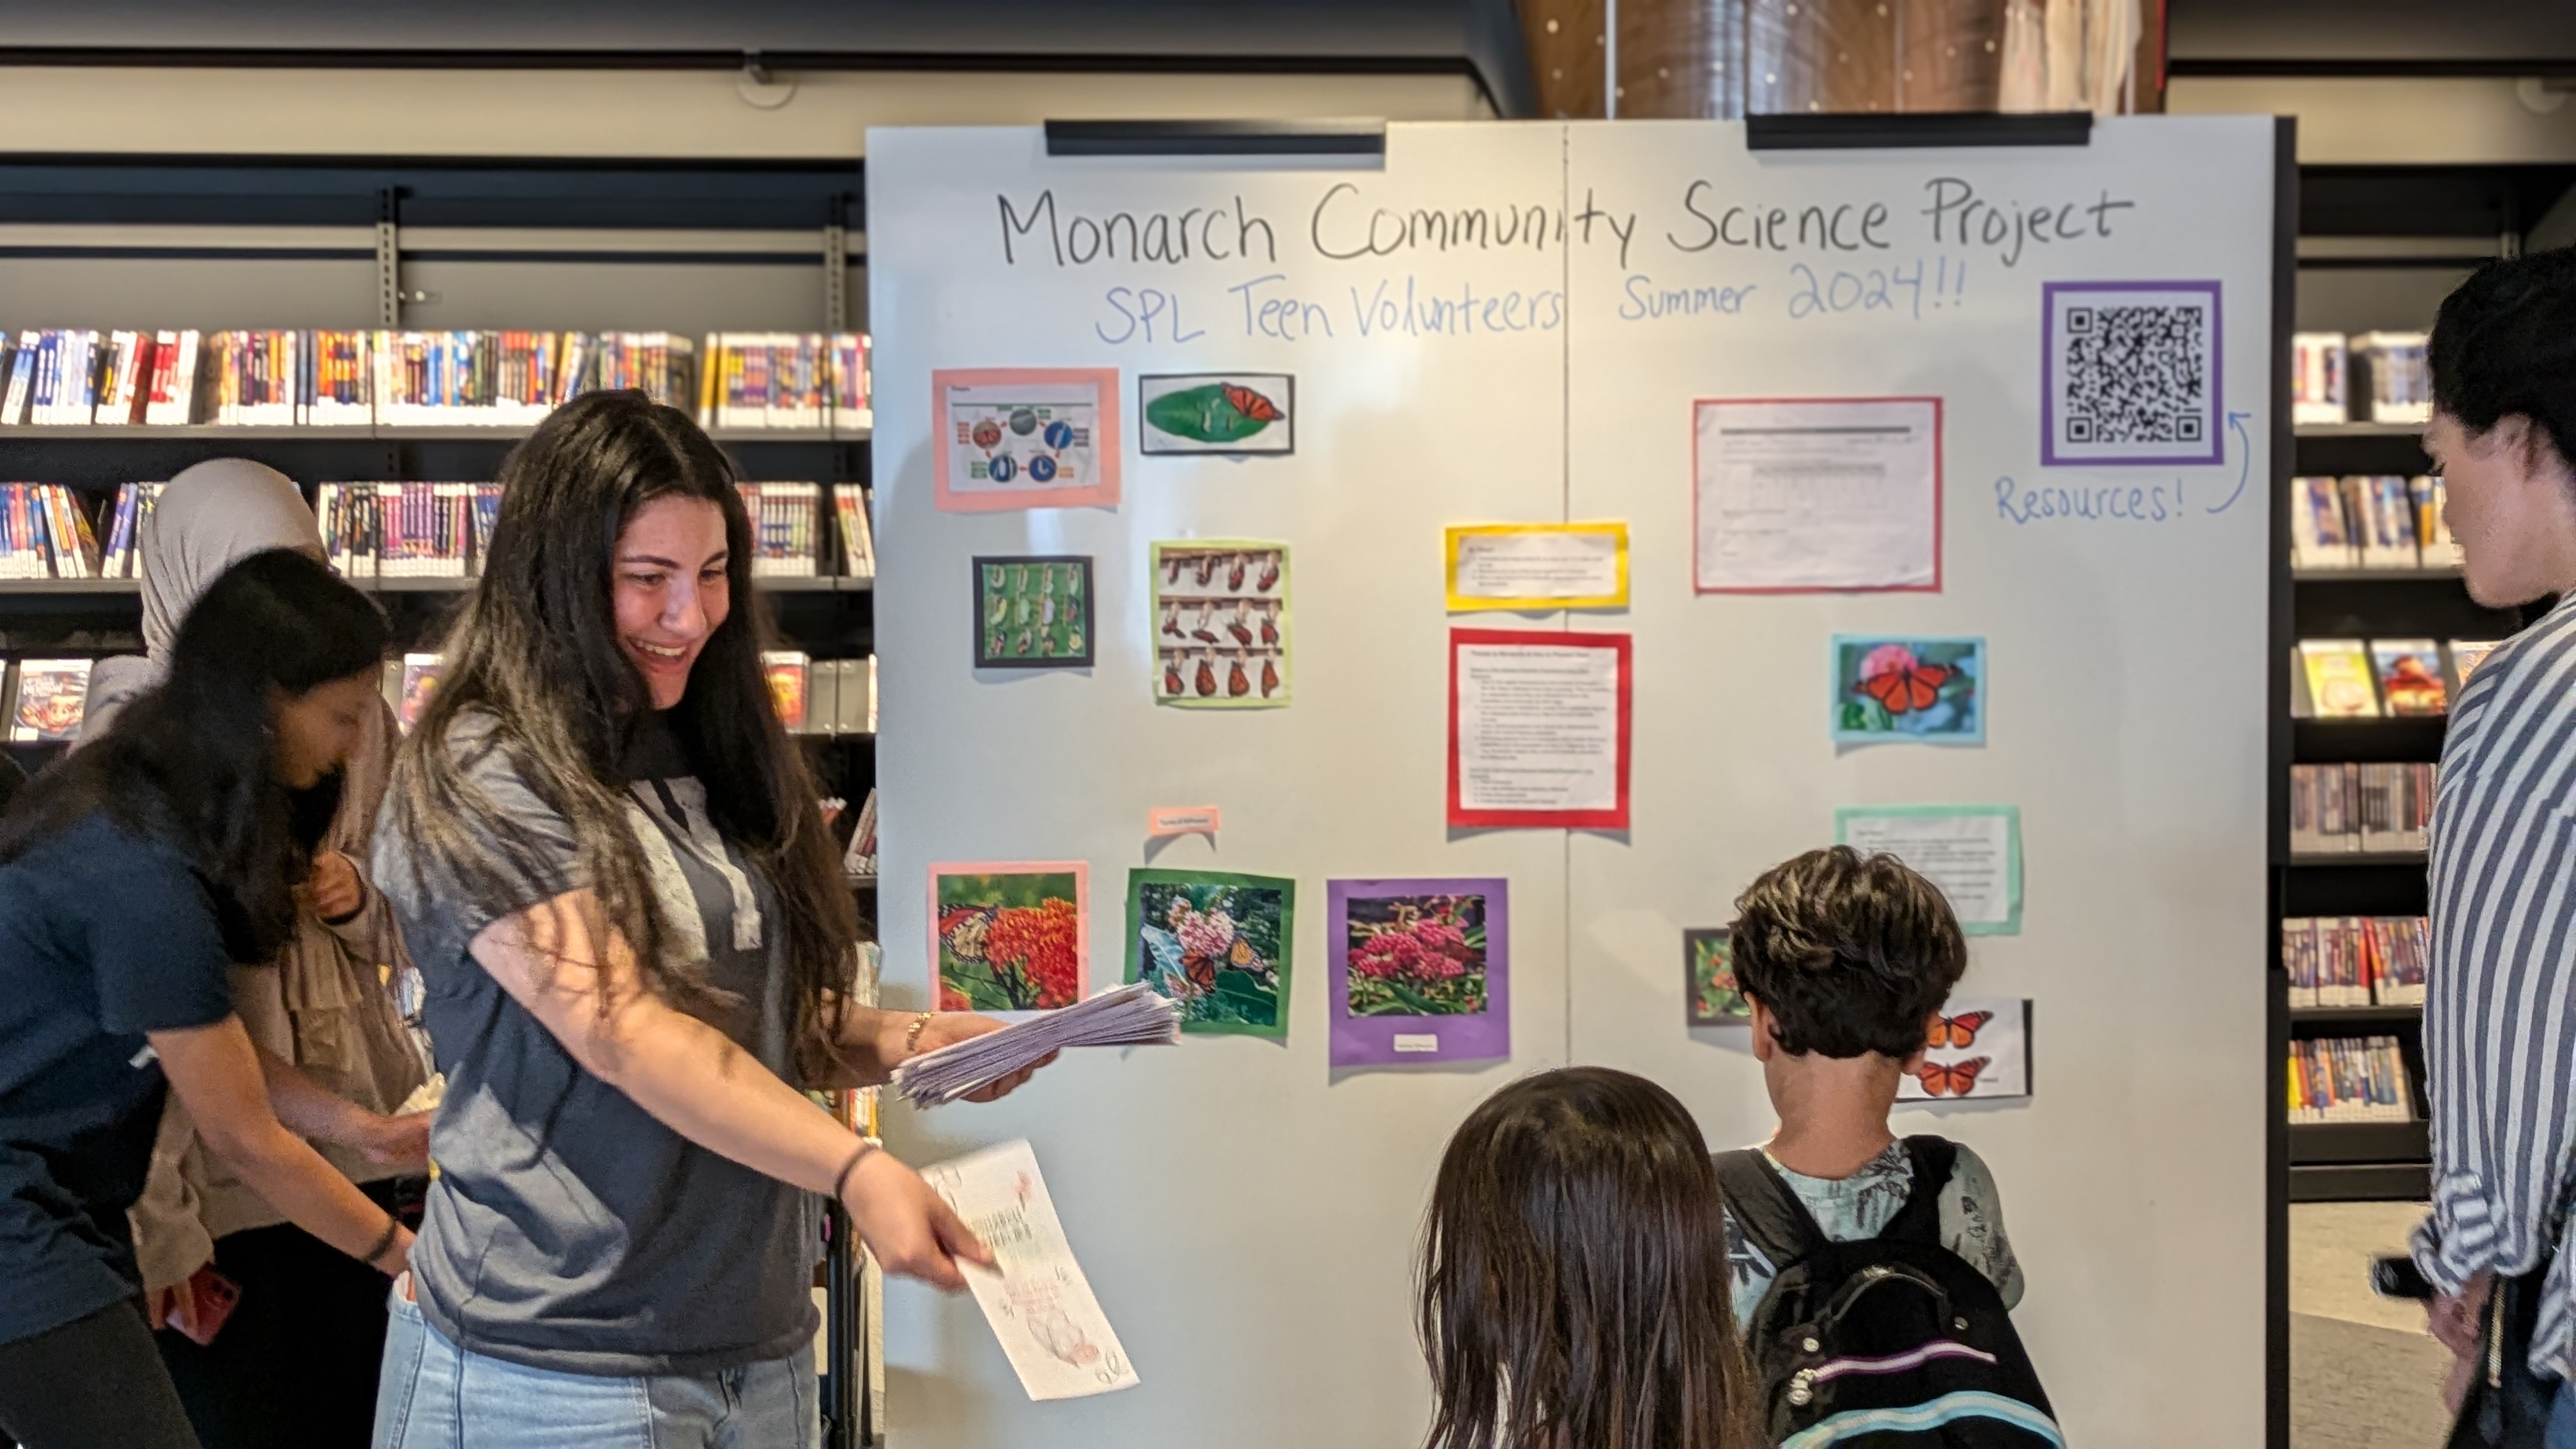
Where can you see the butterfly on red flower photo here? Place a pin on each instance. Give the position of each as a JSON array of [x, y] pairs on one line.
[[1960, 1030], [1957, 1079]]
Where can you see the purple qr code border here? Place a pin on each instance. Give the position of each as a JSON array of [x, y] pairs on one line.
[[2048, 454]]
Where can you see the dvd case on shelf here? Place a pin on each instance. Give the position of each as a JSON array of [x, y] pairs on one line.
[[2338, 678], [787, 670], [2401, 380], [47, 699], [2317, 373]]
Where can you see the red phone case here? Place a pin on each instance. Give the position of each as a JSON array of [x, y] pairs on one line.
[[204, 1304]]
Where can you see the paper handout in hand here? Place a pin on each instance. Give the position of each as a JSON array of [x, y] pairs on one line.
[[1132, 1015], [1035, 1297]]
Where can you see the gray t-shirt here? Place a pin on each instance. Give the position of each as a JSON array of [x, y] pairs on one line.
[[569, 1230]]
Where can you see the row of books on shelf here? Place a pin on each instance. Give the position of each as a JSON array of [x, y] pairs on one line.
[[813, 696], [498, 378], [2356, 960], [414, 530], [45, 534], [45, 699], [2401, 376], [2376, 521], [2349, 1079], [784, 379], [2361, 808], [2381, 678], [444, 530]]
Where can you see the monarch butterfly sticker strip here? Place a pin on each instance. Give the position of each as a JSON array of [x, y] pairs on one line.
[[1979, 1048], [1971, 853], [1217, 412]]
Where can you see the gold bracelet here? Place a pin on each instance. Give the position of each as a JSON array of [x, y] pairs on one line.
[[912, 1034]]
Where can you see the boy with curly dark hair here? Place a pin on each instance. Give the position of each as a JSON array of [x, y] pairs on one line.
[[1847, 961]]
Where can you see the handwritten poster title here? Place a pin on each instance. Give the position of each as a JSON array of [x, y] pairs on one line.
[[1344, 225]]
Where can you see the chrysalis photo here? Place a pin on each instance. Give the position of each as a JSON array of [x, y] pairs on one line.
[[1217, 412]]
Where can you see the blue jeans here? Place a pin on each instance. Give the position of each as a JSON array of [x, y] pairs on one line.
[[434, 1395], [2560, 1433]]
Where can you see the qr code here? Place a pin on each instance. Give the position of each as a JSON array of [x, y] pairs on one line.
[[2133, 373]]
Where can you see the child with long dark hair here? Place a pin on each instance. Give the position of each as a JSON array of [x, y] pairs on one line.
[[132, 875], [606, 856], [1573, 1291]]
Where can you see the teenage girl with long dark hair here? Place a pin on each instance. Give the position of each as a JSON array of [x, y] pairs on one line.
[[132, 875], [1574, 1276], [606, 856]]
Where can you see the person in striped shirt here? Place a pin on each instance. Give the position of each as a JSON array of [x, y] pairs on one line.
[[2500, 1012]]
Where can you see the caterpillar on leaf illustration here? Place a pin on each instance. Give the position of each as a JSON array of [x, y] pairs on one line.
[[1219, 412]]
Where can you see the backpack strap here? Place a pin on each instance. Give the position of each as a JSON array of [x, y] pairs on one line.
[[1919, 1221], [1769, 1214]]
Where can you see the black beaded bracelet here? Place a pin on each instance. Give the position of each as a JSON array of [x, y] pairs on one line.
[[393, 1230]]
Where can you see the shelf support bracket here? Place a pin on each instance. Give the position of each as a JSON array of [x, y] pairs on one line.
[[388, 259], [836, 276]]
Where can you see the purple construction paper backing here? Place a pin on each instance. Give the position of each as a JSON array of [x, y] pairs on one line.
[[1368, 1041], [2217, 449]]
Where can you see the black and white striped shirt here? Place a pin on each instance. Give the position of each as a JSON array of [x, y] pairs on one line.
[[2500, 1008]]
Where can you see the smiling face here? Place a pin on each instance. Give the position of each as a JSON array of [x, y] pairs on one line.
[[317, 729], [2511, 507], [670, 590]]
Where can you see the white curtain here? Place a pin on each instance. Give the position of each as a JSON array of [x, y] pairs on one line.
[[2068, 55]]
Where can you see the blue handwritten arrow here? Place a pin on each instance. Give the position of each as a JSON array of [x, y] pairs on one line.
[[2245, 460]]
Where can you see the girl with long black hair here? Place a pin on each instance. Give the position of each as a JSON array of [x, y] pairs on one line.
[[132, 875], [636, 942], [1574, 1276]]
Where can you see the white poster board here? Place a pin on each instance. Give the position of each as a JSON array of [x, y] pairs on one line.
[[1517, 323]]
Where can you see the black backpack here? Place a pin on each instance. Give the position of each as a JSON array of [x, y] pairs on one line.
[[1890, 1341]]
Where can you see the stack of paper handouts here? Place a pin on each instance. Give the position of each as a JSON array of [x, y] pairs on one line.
[[1131, 1015]]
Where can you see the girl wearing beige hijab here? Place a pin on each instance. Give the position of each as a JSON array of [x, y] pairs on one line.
[[295, 1361]]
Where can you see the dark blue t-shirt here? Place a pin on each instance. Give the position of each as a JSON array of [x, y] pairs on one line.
[[104, 935]]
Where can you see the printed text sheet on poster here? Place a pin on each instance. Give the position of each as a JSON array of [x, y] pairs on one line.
[[1538, 566], [1041, 1307], [1817, 495], [1972, 852], [1538, 729]]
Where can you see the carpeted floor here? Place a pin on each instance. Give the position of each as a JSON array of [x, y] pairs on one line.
[[2363, 1374]]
